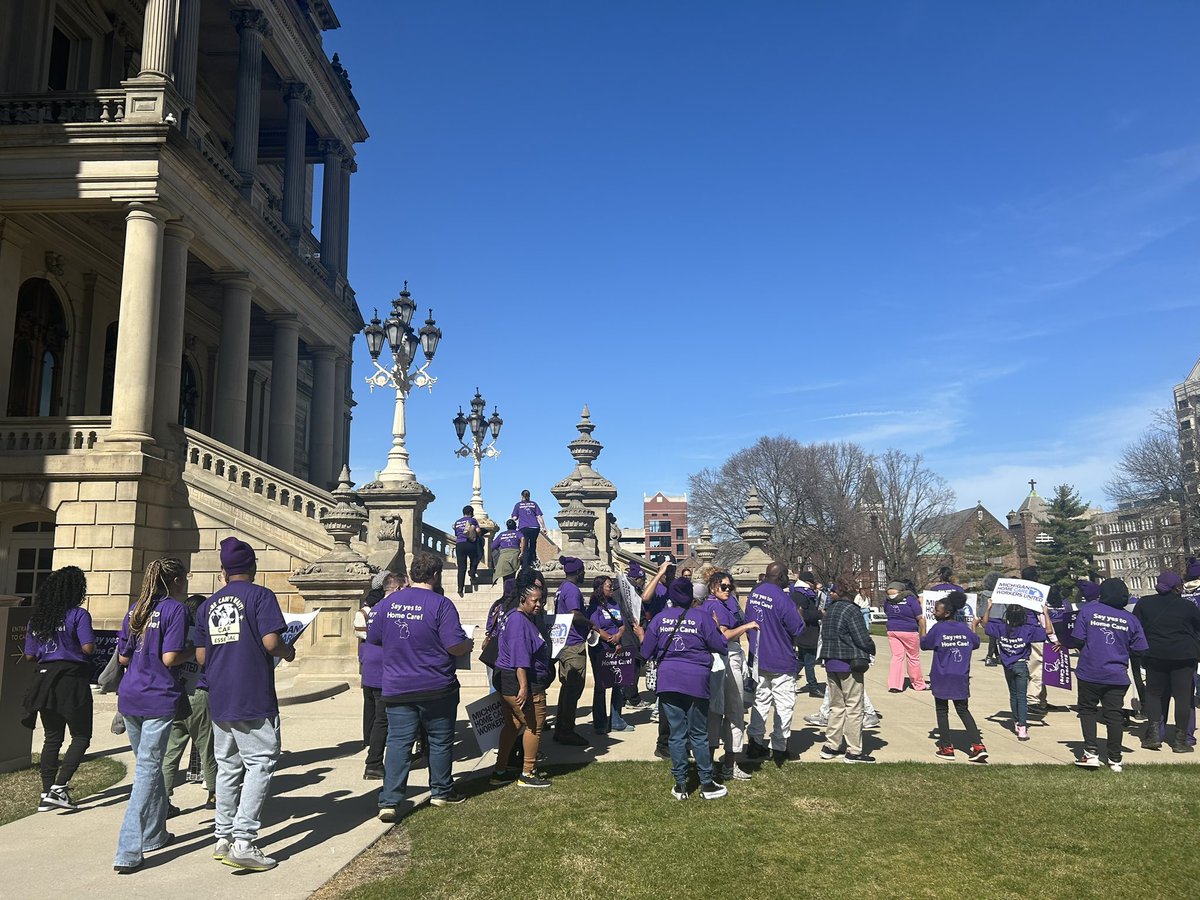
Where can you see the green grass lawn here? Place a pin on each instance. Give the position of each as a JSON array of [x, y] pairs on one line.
[[19, 790], [808, 830]]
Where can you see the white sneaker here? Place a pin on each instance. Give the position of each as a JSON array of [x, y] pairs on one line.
[[245, 855], [1087, 760], [1116, 767], [224, 845], [871, 722], [817, 719], [737, 773], [58, 797]]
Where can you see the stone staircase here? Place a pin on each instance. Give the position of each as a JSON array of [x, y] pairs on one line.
[[472, 610]]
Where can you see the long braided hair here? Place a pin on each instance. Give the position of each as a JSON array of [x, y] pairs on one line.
[[155, 584], [62, 590]]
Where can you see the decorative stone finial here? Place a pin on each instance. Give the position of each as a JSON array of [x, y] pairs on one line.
[[345, 520], [705, 549], [754, 529]]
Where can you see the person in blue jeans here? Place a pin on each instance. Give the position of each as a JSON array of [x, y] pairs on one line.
[[604, 610], [151, 642], [421, 634], [1014, 639]]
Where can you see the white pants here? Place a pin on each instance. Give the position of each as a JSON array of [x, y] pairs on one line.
[[868, 706], [726, 708], [777, 692]]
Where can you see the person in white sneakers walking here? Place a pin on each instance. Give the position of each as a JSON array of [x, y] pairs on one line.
[[774, 646], [239, 633]]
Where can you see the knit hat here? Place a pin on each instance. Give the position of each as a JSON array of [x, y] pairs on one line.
[[571, 564], [1088, 590], [1193, 568], [635, 571], [896, 586], [237, 557], [1167, 582], [679, 592], [379, 578], [1114, 592]]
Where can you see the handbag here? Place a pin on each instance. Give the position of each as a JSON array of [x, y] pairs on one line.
[[651, 674], [491, 646]]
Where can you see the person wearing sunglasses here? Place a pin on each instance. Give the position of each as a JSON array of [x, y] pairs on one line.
[[727, 707]]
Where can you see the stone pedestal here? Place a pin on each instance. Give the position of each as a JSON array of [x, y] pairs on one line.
[[588, 489], [755, 531], [395, 513]]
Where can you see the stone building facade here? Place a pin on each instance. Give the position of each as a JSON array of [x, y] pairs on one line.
[[666, 524], [1138, 540], [175, 330]]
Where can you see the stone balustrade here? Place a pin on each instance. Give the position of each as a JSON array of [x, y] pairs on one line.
[[434, 540], [254, 476], [65, 434], [61, 109]]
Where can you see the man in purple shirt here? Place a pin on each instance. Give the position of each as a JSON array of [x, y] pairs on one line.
[[239, 634], [572, 659], [530, 523], [421, 634], [506, 552], [774, 648], [1107, 634], [466, 547]]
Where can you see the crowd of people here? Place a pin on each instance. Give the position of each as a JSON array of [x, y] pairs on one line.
[[719, 674]]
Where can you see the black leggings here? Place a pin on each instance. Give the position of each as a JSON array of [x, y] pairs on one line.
[[1110, 697], [943, 721], [466, 554], [55, 727], [1170, 680], [529, 553]]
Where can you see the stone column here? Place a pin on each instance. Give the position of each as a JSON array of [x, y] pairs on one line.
[[320, 435], [170, 330], [348, 168], [252, 28], [12, 248], [340, 365], [83, 346], [186, 47], [233, 361], [158, 39], [25, 28], [298, 97], [281, 435], [331, 189], [141, 282]]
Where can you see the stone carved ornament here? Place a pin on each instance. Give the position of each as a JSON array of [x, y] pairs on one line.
[[389, 528]]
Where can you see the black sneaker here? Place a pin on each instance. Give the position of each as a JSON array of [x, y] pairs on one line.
[[533, 781], [372, 774], [503, 776], [859, 758], [571, 739], [211, 802], [58, 797], [831, 753], [172, 810], [451, 799], [755, 750], [679, 791], [660, 753], [713, 791], [781, 756]]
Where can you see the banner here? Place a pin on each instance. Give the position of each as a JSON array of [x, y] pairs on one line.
[[106, 646], [1056, 667], [618, 668], [1017, 592], [297, 624], [558, 633], [929, 598], [487, 718]]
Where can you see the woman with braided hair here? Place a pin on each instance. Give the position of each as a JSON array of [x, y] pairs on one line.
[[60, 640], [152, 642]]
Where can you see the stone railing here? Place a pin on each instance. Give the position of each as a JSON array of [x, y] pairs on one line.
[[255, 477], [437, 541], [66, 434], [219, 160], [60, 109]]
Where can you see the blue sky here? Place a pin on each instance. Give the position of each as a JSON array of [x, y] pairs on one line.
[[962, 229]]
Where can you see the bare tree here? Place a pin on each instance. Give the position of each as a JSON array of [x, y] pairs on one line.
[[911, 497], [1152, 468]]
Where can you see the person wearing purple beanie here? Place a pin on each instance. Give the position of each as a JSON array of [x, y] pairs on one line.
[[1172, 627]]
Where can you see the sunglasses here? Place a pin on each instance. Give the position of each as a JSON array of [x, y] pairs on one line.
[[725, 587]]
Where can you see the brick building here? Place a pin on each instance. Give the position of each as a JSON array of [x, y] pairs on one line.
[[666, 524]]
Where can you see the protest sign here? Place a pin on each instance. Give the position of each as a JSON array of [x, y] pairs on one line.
[[930, 598], [617, 668], [487, 718], [1018, 592], [558, 633], [1056, 667], [295, 625], [106, 646], [464, 661]]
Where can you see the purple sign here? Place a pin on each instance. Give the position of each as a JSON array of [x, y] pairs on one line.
[[106, 645], [618, 668], [1056, 667]]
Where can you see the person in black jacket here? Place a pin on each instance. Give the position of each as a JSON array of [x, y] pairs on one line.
[[804, 595], [1172, 626]]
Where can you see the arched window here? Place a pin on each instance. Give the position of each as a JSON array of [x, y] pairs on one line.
[[189, 396], [109, 374], [39, 341]]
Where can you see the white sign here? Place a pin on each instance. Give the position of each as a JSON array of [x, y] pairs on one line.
[[929, 598], [296, 624], [487, 718], [558, 633], [464, 661], [1016, 592], [630, 597]]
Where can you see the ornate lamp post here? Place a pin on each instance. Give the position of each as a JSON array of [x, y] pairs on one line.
[[404, 343], [479, 427]]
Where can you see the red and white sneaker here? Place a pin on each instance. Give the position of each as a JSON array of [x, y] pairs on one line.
[[977, 753], [944, 753]]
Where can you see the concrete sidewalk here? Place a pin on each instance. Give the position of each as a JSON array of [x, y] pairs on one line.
[[322, 814]]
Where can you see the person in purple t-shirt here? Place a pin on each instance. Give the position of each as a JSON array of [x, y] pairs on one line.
[[682, 640], [421, 634], [774, 648], [506, 552], [60, 640], [239, 635], [952, 643], [727, 705], [152, 642], [524, 669], [370, 659], [608, 620], [903, 612], [1107, 633], [1014, 638], [530, 523], [466, 547], [572, 659]]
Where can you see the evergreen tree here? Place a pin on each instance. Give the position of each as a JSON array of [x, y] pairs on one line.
[[1068, 556], [984, 552]]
